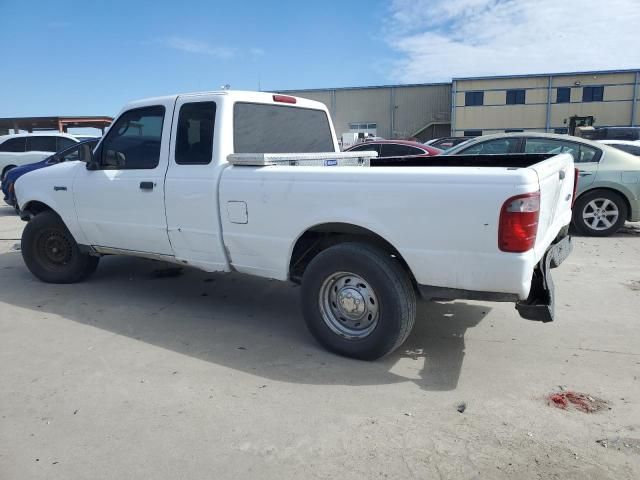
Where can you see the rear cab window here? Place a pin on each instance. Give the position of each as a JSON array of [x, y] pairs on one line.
[[265, 128]]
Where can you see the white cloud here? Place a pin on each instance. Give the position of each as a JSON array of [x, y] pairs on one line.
[[198, 47], [440, 39], [256, 52]]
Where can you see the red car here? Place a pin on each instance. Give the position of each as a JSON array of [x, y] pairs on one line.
[[396, 148]]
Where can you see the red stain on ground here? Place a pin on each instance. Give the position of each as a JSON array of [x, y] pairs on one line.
[[576, 400]]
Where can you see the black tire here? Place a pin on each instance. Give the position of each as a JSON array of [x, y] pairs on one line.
[[599, 227], [4, 172], [387, 281], [51, 253]]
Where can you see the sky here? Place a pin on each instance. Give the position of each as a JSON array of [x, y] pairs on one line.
[[91, 57]]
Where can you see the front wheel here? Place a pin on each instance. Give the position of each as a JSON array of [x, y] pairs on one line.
[[51, 253], [599, 213], [358, 301]]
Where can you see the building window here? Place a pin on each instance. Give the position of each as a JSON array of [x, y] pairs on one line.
[[513, 130], [561, 131], [472, 99], [361, 127], [563, 95], [515, 97], [592, 94], [472, 133]]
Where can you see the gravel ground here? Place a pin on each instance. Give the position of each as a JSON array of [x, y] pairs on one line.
[[136, 374]]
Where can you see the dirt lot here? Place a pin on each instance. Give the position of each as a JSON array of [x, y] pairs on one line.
[[135, 374]]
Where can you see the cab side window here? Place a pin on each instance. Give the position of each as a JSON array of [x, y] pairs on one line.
[[194, 140], [133, 143]]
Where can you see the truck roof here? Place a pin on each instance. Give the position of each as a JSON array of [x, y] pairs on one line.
[[234, 95]]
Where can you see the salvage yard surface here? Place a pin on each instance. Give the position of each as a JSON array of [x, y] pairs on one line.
[[146, 372]]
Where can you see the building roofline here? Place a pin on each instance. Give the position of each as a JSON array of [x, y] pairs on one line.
[[367, 87], [556, 74]]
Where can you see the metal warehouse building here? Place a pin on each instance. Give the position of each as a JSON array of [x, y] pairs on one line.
[[401, 111], [544, 102], [484, 105]]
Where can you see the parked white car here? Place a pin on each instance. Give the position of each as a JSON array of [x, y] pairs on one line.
[[23, 148], [206, 180]]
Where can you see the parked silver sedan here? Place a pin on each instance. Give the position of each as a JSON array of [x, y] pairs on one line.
[[609, 179]]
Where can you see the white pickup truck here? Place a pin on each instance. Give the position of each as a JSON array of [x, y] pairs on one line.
[[254, 183]]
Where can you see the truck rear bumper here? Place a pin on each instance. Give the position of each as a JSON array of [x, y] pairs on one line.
[[540, 305]]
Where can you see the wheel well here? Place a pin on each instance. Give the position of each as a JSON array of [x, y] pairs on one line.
[[33, 208], [320, 237], [7, 168], [612, 190]]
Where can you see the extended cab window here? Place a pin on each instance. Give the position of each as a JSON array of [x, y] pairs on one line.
[[41, 144], [134, 140], [194, 141], [262, 128], [13, 145]]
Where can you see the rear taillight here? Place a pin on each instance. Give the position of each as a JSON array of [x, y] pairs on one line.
[[519, 223], [576, 175]]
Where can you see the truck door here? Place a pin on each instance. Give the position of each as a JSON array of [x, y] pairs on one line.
[[120, 201], [192, 184]]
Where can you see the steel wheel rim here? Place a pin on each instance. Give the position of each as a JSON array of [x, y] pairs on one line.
[[54, 249], [349, 305], [600, 214]]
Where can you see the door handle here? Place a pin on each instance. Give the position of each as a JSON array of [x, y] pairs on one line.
[[585, 174], [146, 185]]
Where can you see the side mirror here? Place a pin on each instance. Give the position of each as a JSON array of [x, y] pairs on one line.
[[85, 154]]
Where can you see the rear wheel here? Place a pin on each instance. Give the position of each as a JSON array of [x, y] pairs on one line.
[[358, 301], [599, 213], [51, 253]]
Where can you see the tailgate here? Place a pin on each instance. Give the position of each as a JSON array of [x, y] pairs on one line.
[[556, 177]]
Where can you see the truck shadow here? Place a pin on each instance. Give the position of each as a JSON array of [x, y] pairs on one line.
[[245, 323]]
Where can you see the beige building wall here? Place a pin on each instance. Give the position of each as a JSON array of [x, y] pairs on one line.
[[541, 112]]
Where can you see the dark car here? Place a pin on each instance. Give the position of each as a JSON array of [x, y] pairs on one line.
[[396, 148], [66, 155]]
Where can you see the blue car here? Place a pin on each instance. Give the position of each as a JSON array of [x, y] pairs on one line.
[[66, 155]]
